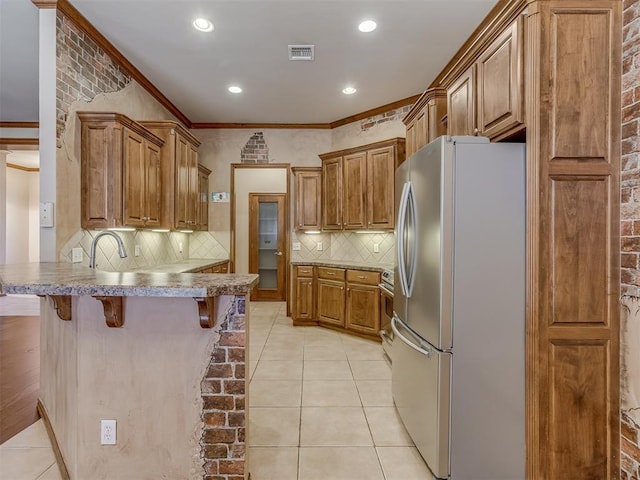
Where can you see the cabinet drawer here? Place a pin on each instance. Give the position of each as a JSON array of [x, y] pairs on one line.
[[304, 271], [361, 276], [331, 273]]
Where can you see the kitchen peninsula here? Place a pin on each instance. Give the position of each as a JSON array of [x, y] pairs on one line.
[[163, 354]]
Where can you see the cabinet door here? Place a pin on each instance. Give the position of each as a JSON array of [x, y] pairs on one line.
[[193, 197], [332, 194], [153, 189], [436, 110], [303, 305], [331, 302], [380, 188], [355, 180], [203, 200], [421, 130], [460, 105], [411, 139], [134, 178], [308, 200], [181, 210], [500, 84], [363, 308]]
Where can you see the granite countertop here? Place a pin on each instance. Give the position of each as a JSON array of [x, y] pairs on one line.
[[343, 264], [186, 266], [74, 279]]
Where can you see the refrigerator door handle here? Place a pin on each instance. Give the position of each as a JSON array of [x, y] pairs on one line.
[[413, 218], [402, 216], [404, 339]]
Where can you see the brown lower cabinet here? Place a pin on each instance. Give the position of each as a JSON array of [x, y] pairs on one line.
[[344, 299], [221, 268]]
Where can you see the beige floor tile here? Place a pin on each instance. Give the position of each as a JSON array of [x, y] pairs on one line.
[[53, 473], [24, 463], [277, 463], [370, 369], [275, 393], [252, 368], [375, 393], [364, 351], [330, 393], [279, 370], [288, 330], [326, 370], [33, 436], [334, 426], [386, 427], [350, 463], [403, 463], [281, 320], [318, 352], [274, 427], [322, 340], [271, 352]]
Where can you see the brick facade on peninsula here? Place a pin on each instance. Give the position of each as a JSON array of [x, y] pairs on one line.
[[630, 208], [83, 69], [223, 391]]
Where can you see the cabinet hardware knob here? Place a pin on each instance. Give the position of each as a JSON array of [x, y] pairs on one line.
[[362, 276], [476, 131]]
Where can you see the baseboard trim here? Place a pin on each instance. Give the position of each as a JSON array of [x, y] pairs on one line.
[[42, 412]]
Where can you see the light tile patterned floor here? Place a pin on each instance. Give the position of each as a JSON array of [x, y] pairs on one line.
[[321, 406], [28, 456]]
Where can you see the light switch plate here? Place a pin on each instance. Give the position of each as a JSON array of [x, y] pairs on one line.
[[295, 246], [376, 248], [46, 214], [136, 250], [319, 246]]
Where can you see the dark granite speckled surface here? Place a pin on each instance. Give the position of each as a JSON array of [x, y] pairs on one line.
[[71, 279], [343, 264]]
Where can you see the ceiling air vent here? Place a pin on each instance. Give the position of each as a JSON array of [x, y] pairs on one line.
[[301, 52]]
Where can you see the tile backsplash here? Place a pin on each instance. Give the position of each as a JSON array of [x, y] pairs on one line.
[[356, 247], [155, 248]]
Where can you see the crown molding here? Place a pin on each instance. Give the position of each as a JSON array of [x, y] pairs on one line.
[[45, 4], [261, 125], [19, 124], [81, 22], [19, 141], [20, 167]]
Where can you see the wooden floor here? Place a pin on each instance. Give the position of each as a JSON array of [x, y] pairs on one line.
[[19, 373]]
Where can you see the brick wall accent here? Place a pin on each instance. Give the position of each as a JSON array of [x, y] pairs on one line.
[[223, 394], [630, 204], [396, 114], [256, 150], [83, 69]]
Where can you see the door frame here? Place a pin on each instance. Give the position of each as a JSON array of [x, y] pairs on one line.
[[253, 248], [232, 246]]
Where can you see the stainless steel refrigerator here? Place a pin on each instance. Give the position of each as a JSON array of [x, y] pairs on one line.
[[459, 307]]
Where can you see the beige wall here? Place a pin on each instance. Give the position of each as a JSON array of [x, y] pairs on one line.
[[23, 230], [3, 205], [353, 134]]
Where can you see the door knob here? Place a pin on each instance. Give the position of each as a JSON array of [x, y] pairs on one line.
[[278, 253]]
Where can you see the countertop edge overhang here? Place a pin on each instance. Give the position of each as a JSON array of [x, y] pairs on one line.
[[71, 279], [342, 264]]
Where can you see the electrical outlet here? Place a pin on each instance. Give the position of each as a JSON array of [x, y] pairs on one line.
[[295, 246], [319, 246], [76, 255], [107, 432], [136, 251], [376, 248]]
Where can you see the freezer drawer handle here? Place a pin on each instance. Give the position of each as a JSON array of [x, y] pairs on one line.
[[407, 341], [385, 336]]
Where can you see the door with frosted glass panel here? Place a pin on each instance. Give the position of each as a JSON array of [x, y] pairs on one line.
[[267, 245]]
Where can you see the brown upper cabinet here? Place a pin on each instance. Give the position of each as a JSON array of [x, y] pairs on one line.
[[120, 172], [179, 174], [358, 186], [487, 99], [308, 197], [425, 121], [203, 198]]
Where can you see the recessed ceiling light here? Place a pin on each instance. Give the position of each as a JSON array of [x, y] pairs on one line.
[[203, 25], [235, 89], [367, 26], [349, 90]]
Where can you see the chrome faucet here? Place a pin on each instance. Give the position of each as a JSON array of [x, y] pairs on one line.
[[92, 253]]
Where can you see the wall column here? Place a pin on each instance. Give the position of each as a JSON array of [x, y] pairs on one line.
[[3, 206], [47, 92]]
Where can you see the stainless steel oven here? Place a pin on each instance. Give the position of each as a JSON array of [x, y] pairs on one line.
[[386, 311]]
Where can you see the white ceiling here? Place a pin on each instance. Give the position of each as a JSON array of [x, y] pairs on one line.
[[413, 42]]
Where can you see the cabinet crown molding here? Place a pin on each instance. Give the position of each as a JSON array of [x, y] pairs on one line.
[[175, 126], [122, 120], [426, 96]]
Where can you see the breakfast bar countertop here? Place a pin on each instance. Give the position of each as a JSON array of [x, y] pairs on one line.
[[190, 265], [73, 279]]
